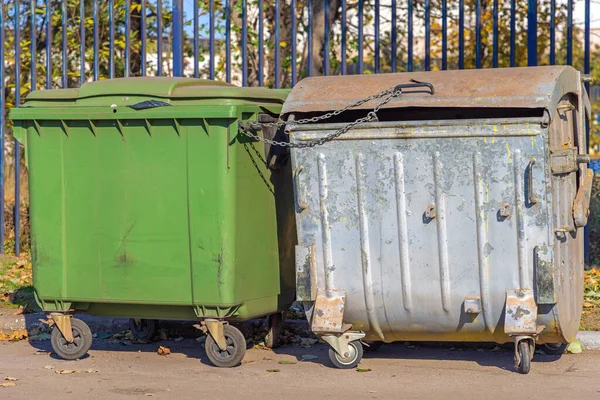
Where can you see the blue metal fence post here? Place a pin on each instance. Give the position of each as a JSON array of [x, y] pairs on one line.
[[261, 44], [586, 70], [96, 42], [17, 147], [277, 44], [495, 36], [244, 43], [513, 33], [211, 43], [427, 36], [196, 25], [376, 33], [409, 31], [82, 43], [111, 39], [33, 46], [532, 33], [461, 34], [2, 123], [227, 41], [444, 35], [65, 81], [478, 34], [159, 38], [325, 37], [570, 32], [178, 37], [343, 38], [361, 6], [127, 37], [144, 38], [48, 44], [310, 38], [552, 32], [394, 36]]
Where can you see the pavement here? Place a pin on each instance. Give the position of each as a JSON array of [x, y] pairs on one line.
[[136, 371]]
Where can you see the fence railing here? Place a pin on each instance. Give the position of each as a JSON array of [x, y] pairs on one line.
[[65, 43]]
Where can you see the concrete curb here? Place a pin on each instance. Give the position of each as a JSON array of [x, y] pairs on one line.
[[590, 340]]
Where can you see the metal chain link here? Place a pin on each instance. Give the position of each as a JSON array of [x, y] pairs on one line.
[[386, 95]]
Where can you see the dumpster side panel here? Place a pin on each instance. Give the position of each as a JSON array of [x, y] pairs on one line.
[[115, 231], [410, 224]]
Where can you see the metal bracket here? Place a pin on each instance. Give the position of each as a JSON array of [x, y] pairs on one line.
[[340, 343], [505, 210], [530, 340], [328, 313], [63, 323], [521, 312], [215, 329], [581, 205], [430, 212], [564, 161], [472, 305]]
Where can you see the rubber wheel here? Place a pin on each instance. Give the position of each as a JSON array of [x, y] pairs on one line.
[[143, 329], [356, 354], [273, 335], [372, 346], [525, 353], [554, 349], [82, 341], [235, 352]]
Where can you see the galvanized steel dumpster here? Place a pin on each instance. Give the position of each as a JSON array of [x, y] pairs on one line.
[[146, 203], [455, 215]]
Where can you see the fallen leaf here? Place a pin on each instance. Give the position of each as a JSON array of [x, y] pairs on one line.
[[49, 366], [574, 347], [23, 310], [66, 371], [363, 369], [8, 384], [273, 370], [149, 394], [41, 353], [286, 362], [163, 351], [19, 334], [90, 371], [11, 379], [306, 357]]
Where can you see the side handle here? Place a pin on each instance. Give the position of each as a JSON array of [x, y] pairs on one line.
[[531, 198], [300, 195]]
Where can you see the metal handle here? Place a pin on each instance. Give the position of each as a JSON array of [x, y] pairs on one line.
[[531, 199], [300, 201]]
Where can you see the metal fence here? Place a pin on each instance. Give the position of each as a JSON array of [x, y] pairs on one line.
[[64, 43]]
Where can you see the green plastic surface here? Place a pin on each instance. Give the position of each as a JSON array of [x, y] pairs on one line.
[[158, 213]]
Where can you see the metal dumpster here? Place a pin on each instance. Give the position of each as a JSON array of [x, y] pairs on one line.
[[455, 212], [146, 203]]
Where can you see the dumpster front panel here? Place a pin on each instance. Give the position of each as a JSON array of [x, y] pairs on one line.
[[415, 221], [107, 209]]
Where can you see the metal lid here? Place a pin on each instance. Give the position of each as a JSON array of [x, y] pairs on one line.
[[531, 87]]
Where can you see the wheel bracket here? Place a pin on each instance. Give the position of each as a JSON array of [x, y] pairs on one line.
[[340, 343], [215, 329], [63, 323]]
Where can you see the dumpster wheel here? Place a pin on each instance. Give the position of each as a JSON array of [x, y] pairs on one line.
[[234, 352], [82, 340], [523, 356], [355, 353], [275, 322], [554, 349], [143, 329]]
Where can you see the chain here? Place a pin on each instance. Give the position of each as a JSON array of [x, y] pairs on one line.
[[386, 96]]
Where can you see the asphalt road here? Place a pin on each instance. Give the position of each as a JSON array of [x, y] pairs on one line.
[[117, 371]]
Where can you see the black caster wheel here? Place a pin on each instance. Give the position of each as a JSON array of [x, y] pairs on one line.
[[524, 366], [372, 346], [235, 352], [143, 329], [82, 341], [273, 335], [355, 354], [554, 349]]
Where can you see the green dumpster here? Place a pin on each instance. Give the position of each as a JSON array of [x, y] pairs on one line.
[[145, 202]]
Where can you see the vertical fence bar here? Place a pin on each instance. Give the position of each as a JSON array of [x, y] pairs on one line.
[[261, 44], [211, 40], [82, 43], [111, 39], [48, 44], [586, 70], [244, 43], [532, 33], [495, 36], [2, 124], [144, 38], [195, 40], [178, 37], [427, 36], [409, 30], [444, 35], [17, 148], [310, 38], [227, 41], [569, 32], [96, 42], [293, 41], [343, 38], [552, 32], [277, 44], [376, 33], [326, 37], [360, 35], [65, 81], [513, 33], [127, 39], [159, 38], [33, 49], [461, 34], [394, 36], [478, 34]]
